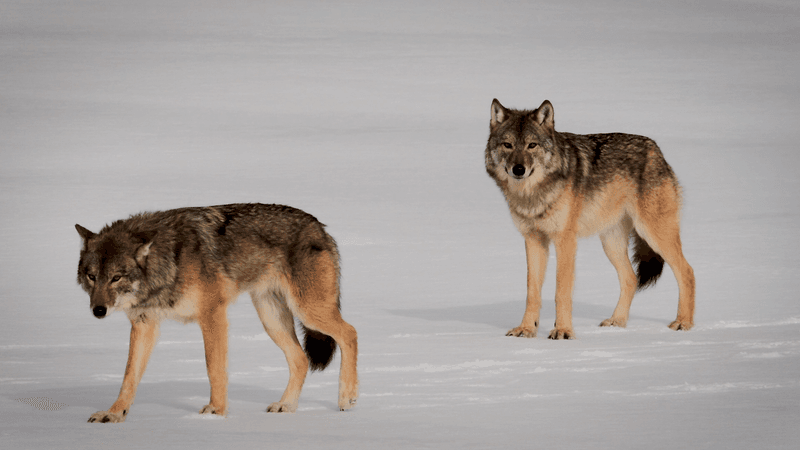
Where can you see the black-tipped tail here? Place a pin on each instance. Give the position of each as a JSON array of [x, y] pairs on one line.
[[647, 262], [319, 348]]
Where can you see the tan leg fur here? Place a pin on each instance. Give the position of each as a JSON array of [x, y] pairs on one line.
[[144, 335]]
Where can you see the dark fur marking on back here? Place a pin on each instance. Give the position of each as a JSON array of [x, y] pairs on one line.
[[222, 228]]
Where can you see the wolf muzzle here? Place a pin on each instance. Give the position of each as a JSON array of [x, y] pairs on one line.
[[99, 311], [518, 170]]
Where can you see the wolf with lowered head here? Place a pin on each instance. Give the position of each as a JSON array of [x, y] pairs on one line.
[[189, 264], [563, 186]]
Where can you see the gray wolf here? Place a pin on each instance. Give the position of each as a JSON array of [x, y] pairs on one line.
[[563, 186], [189, 264]]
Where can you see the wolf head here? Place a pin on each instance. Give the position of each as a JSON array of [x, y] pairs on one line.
[[521, 144], [112, 268]]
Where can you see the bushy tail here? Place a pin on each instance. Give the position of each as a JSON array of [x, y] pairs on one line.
[[647, 262], [319, 349]]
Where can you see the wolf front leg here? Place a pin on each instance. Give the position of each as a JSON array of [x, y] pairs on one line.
[[144, 334], [566, 247], [536, 251], [214, 325]]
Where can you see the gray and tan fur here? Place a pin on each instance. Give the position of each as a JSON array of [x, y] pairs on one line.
[[189, 264], [563, 186]]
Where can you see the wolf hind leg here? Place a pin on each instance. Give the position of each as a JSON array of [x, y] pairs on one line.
[[278, 322], [346, 338], [315, 299], [615, 244], [658, 223]]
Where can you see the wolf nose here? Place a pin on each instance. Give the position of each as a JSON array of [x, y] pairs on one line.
[[518, 170], [99, 311]]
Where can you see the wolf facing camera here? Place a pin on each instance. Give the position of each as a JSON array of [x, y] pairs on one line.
[[563, 186]]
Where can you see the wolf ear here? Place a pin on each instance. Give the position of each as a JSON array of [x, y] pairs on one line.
[[545, 114], [142, 253], [147, 238], [85, 234], [499, 113]]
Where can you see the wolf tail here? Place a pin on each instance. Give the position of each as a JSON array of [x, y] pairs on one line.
[[647, 262], [319, 348]]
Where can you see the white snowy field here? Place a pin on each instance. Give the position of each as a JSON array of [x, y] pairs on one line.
[[373, 116]]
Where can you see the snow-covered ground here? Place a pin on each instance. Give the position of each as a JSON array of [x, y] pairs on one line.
[[373, 116]]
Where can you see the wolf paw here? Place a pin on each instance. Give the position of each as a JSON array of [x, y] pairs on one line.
[[562, 333], [106, 417], [612, 322], [346, 403], [521, 331], [681, 325], [210, 409], [281, 407]]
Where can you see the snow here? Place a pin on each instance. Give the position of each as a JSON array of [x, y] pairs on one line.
[[373, 117]]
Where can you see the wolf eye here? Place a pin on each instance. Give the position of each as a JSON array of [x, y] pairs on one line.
[[115, 278], [532, 145], [507, 145], [90, 277]]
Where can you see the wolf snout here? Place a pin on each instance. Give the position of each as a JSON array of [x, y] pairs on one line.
[[99, 311], [518, 171]]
